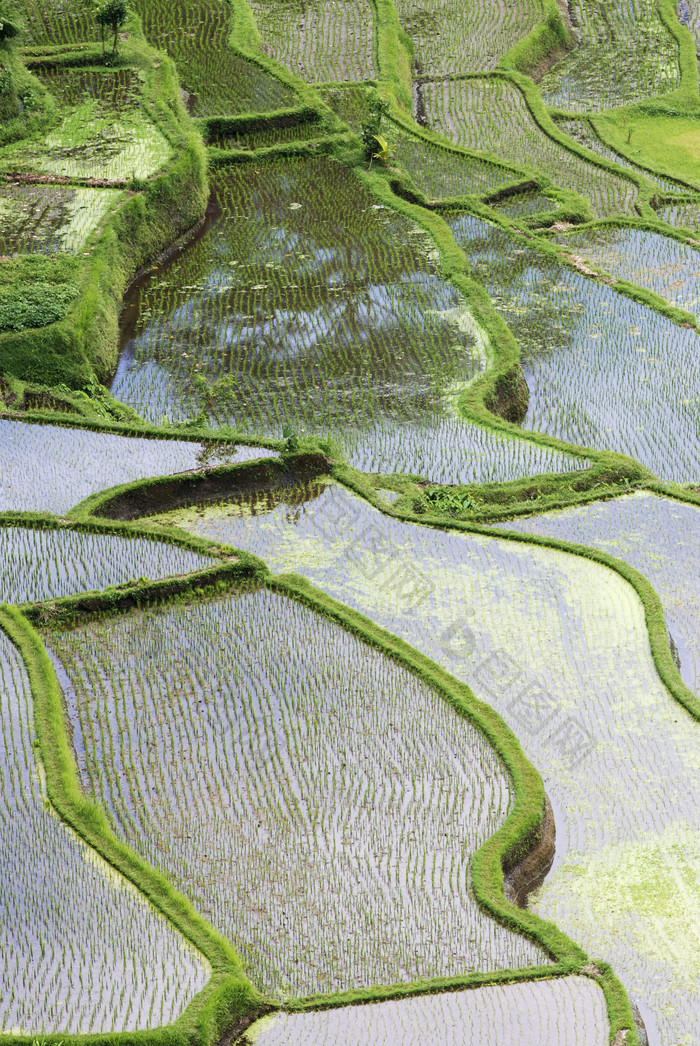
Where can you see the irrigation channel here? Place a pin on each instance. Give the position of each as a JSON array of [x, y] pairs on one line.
[[349, 523]]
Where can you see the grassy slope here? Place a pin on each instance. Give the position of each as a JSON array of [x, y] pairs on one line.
[[83, 345]]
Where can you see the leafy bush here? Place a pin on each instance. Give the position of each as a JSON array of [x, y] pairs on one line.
[[34, 305]]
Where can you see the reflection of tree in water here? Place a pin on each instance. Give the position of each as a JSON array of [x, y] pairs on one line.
[[266, 497], [320, 312]]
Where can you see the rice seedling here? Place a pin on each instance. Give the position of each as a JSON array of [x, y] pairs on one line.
[[103, 132], [308, 306], [318, 803], [559, 646], [603, 370], [625, 54], [665, 266], [541, 1013], [321, 40], [81, 949], [453, 37], [658, 536], [220, 82], [439, 173], [44, 564], [492, 116], [682, 214], [46, 468], [582, 131], [45, 219]]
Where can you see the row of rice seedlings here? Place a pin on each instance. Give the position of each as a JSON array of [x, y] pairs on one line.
[[112, 90], [81, 949], [541, 1013], [524, 204], [270, 136], [439, 173], [320, 40], [681, 214], [582, 131], [44, 219], [195, 34], [351, 102], [46, 468], [603, 370], [45, 564], [318, 803], [667, 267], [625, 53], [308, 306], [94, 139], [57, 22], [658, 536], [455, 37], [559, 646], [491, 115]]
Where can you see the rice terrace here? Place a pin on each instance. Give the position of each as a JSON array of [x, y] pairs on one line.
[[350, 523]]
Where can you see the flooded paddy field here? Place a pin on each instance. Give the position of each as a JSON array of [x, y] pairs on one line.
[[540, 1013], [81, 950], [45, 564], [51, 468], [658, 536], [45, 219], [558, 645], [669, 268], [318, 803], [321, 312], [603, 371], [681, 214], [450, 37], [492, 116], [320, 40], [439, 173], [625, 54]]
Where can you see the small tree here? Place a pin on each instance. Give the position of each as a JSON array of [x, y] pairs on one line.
[[112, 15]]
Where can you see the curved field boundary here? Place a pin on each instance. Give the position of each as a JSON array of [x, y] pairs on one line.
[[544, 124], [659, 643], [658, 636], [499, 854], [688, 93], [144, 430], [546, 42], [228, 994], [246, 41], [635, 291], [539, 240], [495, 398]]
